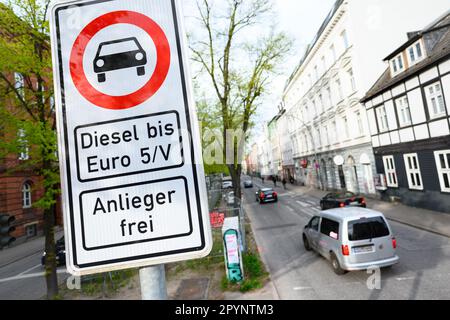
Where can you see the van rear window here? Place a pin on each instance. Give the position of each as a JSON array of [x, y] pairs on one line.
[[365, 229]]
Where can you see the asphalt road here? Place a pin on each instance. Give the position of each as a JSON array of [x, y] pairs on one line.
[[24, 279], [422, 273]]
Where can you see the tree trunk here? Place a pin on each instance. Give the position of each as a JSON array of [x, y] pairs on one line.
[[236, 178], [50, 258]]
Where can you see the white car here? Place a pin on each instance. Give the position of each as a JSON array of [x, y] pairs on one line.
[[227, 185]]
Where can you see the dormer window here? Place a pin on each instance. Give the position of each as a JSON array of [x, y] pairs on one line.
[[415, 53], [397, 65]]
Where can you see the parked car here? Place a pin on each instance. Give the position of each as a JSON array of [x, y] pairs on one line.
[[60, 249], [227, 184], [266, 195], [352, 239], [341, 200], [248, 184], [119, 54]]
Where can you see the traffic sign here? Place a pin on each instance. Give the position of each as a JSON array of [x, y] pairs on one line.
[[132, 177]]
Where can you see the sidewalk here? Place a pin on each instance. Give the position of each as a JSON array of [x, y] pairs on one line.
[[432, 221]]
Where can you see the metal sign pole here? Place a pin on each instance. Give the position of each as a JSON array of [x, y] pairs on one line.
[[153, 283]]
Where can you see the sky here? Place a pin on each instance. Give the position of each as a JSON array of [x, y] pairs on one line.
[[300, 20]]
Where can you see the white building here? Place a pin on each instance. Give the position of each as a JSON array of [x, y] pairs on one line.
[[408, 110], [331, 142]]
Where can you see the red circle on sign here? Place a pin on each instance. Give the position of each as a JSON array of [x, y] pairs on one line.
[[149, 89]]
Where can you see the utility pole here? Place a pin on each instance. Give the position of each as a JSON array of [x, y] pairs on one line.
[[153, 283]]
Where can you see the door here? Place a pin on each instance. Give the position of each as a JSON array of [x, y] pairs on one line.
[[313, 232], [342, 177]]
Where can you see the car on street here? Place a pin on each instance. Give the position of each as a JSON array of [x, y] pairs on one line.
[[119, 54], [60, 249], [266, 195], [341, 200], [351, 239], [227, 184], [248, 184]]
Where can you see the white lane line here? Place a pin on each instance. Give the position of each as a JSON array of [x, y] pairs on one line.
[[302, 288], [28, 270], [304, 205], [27, 276], [405, 278], [315, 209]]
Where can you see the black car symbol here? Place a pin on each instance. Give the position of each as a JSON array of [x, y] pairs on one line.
[[119, 54]]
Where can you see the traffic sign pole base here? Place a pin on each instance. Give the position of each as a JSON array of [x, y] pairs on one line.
[[153, 283]]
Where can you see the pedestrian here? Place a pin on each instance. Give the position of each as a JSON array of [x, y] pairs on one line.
[[274, 181], [262, 178], [284, 183]]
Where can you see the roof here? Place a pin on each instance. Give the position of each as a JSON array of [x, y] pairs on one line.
[[316, 38], [438, 53], [350, 213]]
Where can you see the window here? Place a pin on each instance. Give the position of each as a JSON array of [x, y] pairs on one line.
[[26, 195], [415, 53], [404, 114], [330, 228], [413, 171], [397, 64], [316, 73], [391, 174], [435, 100], [368, 228], [319, 138], [19, 84], [360, 129], [334, 132], [328, 96], [310, 80], [333, 53], [352, 80], [314, 104], [339, 89], [382, 119], [23, 145], [344, 39], [31, 230], [321, 106], [346, 131], [326, 139], [443, 168], [324, 64], [314, 223]]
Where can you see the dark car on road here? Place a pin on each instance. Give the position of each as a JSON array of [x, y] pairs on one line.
[[119, 54], [266, 195], [248, 184], [341, 200], [60, 249]]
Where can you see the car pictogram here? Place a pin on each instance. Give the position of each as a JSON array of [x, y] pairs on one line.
[[119, 54]]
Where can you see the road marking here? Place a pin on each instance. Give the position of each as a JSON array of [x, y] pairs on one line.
[[27, 276], [28, 270], [302, 204], [405, 278], [303, 288]]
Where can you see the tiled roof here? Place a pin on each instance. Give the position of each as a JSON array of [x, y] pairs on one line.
[[438, 53]]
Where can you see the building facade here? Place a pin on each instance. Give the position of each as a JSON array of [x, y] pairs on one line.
[[409, 117], [328, 126]]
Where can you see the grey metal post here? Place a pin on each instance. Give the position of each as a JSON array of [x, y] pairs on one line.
[[153, 283]]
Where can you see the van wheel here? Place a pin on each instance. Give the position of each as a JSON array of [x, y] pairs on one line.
[[336, 266], [306, 243]]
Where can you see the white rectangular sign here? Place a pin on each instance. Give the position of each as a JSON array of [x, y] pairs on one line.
[[133, 185]]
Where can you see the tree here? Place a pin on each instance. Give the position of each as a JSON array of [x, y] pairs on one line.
[[238, 66], [26, 107]]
